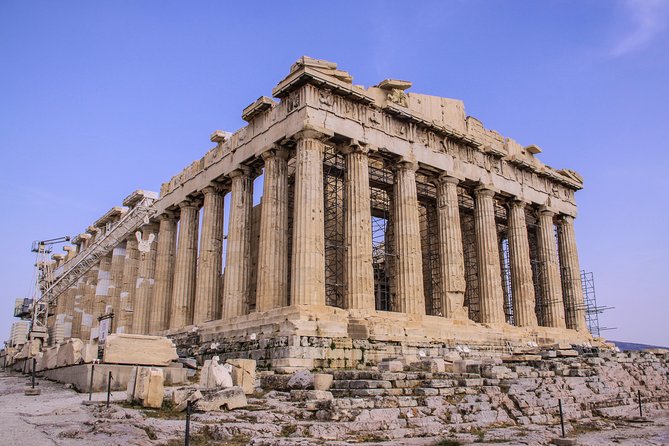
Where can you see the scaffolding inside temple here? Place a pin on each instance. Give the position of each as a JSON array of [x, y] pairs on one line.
[[334, 197], [466, 204], [380, 181], [429, 240]]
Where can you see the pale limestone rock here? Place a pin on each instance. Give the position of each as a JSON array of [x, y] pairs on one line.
[[146, 386], [89, 353], [243, 373], [301, 380], [139, 349], [50, 358], [215, 375], [391, 366], [310, 395], [182, 395], [69, 352], [323, 381], [226, 399]]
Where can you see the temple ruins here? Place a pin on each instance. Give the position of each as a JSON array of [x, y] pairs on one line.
[[391, 225]]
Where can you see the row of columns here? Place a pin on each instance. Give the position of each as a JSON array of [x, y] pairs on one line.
[[173, 288]]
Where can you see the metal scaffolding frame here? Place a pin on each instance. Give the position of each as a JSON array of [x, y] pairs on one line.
[[334, 197], [383, 254], [466, 205]]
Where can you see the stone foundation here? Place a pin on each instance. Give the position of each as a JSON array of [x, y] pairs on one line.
[[310, 337]]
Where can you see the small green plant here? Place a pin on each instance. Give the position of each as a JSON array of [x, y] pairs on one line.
[[448, 442], [288, 430]]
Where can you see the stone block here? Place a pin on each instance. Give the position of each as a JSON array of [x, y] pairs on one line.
[[69, 353], [467, 366], [139, 350], [50, 358], [182, 395], [301, 380], [323, 381], [243, 373], [274, 382], [89, 353], [226, 399], [310, 395], [567, 353], [391, 365], [214, 375], [146, 386]]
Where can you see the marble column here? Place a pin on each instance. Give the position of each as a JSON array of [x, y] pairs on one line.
[[272, 291], [409, 266], [185, 268], [238, 258], [522, 286], [101, 292], [569, 265], [308, 253], [487, 253], [88, 303], [358, 269], [451, 256], [116, 284], [145, 279], [207, 287], [127, 295], [549, 272], [164, 278]]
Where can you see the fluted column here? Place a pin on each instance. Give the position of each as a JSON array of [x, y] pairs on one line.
[[487, 253], [358, 270], [522, 286], [238, 258], [308, 254], [116, 283], [164, 278], [451, 257], [145, 279], [569, 265], [127, 295], [183, 292], [207, 288], [549, 272], [272, 291], [88, 303], [102, 287], [409, 278]]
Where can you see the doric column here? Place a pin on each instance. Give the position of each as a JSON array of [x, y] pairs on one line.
[[102, 287], [409, 277], [522, 286], [358, 270], [88, 303], [272, 291], [127, 295], [116, 283], [207, 288], [487, 253], [78, 307], [238, 258], [162, 288], [185, 267], [571, 270], [549, 272], [145, 274], [451, 257], [308, 255]]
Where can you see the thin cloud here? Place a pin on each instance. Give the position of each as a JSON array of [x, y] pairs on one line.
[[649, 18]]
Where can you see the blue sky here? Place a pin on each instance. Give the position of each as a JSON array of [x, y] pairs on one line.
[[100, 98]]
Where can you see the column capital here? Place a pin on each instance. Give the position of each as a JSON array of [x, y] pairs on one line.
[[188, 203], [405, 165], [545, 210], [354, 146], [485, 190], [214, 188], [240, 171], [275, 151], [312, 132], [565, 219], [446, 177], [518, 202], [167, 215]]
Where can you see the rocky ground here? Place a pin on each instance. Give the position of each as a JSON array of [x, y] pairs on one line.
[[59, 417]]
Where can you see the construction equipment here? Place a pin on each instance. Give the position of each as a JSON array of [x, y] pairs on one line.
[[53, 283]]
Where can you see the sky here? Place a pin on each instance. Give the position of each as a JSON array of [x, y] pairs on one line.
[[98, 99]]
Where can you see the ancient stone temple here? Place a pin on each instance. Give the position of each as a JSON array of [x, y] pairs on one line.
[[391, 224]]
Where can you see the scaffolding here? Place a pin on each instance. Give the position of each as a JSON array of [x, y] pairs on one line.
[[592, 310], [383, 254], [466, 205], [334, 197]]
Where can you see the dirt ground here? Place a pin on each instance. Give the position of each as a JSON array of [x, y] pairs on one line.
[[59, 416]]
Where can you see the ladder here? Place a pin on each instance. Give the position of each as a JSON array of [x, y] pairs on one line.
[[68, 275]]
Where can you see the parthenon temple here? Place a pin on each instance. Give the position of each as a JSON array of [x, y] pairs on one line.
[[389, 222]]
